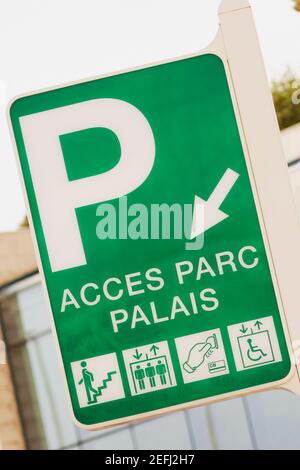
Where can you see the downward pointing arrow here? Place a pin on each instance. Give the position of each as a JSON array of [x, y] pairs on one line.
[[137, 355], [207, 213]]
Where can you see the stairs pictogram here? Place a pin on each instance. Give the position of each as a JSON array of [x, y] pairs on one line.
[[105, 381]]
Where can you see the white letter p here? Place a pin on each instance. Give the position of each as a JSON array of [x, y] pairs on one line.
[[57, 197]]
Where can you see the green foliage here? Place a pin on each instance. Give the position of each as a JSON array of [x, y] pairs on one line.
[[286, 95]]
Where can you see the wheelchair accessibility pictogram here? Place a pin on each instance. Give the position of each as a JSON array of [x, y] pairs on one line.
[[254, 353], [255, 348], [254, 343]]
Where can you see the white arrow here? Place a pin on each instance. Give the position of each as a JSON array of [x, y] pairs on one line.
[[207, 213]]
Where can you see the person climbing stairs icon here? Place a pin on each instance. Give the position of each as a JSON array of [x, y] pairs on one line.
[[97, 380], [92, 393]]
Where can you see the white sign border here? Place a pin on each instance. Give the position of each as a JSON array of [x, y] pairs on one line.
[[264, 157]]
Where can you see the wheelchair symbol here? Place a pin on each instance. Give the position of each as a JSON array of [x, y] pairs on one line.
[[254, 353], [254, 343]]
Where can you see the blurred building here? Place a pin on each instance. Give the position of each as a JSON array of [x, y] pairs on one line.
[[291, 145], [33, 407]]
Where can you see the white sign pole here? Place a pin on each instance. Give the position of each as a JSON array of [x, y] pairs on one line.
[[264, 148]]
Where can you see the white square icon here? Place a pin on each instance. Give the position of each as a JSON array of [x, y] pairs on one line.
[[254, 343], [201, 356], [97, 380], [149, 368]]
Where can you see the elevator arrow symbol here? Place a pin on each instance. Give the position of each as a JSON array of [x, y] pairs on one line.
[[207, 214]]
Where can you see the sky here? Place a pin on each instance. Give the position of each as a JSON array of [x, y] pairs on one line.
[[51, 42]]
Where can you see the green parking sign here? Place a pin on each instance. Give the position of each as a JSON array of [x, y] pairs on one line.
[[150, 241]]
